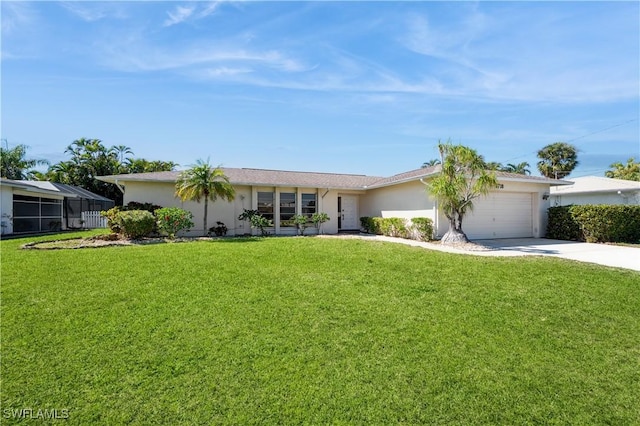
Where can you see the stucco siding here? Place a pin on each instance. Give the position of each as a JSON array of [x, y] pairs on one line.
[[595, 198], [6, 200], [406, 200]]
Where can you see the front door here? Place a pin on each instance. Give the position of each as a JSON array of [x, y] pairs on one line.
[[348, 212]]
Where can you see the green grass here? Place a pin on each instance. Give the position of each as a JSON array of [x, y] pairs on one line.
[[316, 331]]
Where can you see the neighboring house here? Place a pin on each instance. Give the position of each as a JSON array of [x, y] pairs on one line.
[[517, 209], [596, 190], [38, 206]]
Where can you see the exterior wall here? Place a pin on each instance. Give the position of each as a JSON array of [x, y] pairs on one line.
[[596, 198], [410, 199], [405, 200], [6, 207], [162, 193]]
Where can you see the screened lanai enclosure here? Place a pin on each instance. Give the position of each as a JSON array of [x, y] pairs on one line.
[[37, 206], [85, 201]]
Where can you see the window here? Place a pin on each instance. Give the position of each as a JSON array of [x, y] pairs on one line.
[[287, 208], [308, 204], [265, 204]]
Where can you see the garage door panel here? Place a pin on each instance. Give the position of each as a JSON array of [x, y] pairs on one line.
[[500, 215]]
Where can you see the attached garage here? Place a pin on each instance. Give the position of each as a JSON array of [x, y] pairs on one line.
[[501, 215]]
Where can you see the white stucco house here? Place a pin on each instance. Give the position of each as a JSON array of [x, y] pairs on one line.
[[517, 209], [596, 190], [39, 206]]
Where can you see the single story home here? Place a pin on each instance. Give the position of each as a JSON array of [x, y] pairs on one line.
[[596, 190], [518, 208], [39, 206]]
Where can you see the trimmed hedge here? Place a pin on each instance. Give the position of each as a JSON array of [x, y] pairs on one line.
[[595, 223], [417, 228]]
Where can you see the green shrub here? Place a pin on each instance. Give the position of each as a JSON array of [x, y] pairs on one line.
[[112, 221], [395, 227], [256, 220], [595, 223], [171, 220], [318, 219], [366, 223], [418, 228], [220, 230], [608, 223], [135, 205], [422, 228], [135, 223], [562, 225], [301, 222]]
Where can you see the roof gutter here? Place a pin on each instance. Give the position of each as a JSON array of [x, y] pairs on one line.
[[120, 187]]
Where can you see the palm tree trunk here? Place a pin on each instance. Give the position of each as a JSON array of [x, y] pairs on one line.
[[206, 211]]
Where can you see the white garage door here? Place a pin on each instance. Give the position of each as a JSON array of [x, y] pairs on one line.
[[500, 215]]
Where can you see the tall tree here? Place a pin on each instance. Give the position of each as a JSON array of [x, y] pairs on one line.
[[15, 165], [120, 151], [204, 181], [463, 179], [557, 160], [629, 171], [521, 168], [430, 163], [141, 165], [90, 158]]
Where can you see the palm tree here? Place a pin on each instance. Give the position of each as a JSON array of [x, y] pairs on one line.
[[463, 178], [493, 165], [204, 181], [557, 160], [431, 163], [521, 168], [120, 151]]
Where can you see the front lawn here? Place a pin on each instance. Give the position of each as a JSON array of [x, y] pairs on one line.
[[315, 331]]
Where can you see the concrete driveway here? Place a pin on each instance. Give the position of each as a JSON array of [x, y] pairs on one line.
[[602, 254]]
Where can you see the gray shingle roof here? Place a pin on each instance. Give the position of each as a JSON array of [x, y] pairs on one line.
[[262, 177]]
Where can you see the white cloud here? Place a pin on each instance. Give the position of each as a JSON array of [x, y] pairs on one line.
[[179, 14], [225, 72], [95, 11], [16, 15], [196, 10]]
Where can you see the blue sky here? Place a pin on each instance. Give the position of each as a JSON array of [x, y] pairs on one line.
[[352, 87]]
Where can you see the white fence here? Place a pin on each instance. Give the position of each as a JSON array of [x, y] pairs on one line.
[[93, 220]]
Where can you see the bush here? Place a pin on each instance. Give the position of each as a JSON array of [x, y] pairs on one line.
[[301, 222], [135, 205], [318, 219], [220, 230], [422, 228], [256, 220], [608, 223], [135, 223], [112, 221], [171, 220], [394, 227], [562, 225], [418, 228], [595, 223], [366, 224]]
